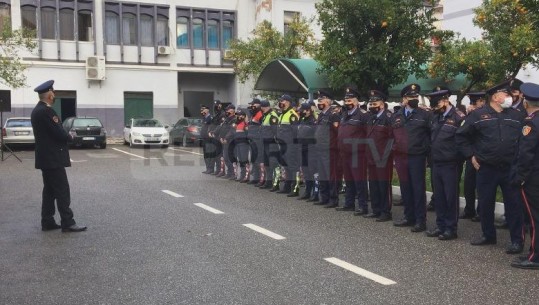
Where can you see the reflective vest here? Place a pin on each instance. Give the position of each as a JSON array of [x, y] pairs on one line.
[[285, 117], [268, 116]]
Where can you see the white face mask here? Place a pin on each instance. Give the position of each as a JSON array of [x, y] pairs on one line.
[[507, 102]]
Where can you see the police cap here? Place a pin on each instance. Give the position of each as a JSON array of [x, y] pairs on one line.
[[442, 87], [230, 107], [254, 101], [501, 87], [475, 96], [436, 96], [351, 93], [45, 87], [321, 94], [217, 102], [411, 90], [264, 103], [240, 112], [530, 91], [375, 95], [286, 97], [305, 106]]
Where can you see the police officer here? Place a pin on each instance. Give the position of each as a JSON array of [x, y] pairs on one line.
[[240, 145], [208, 147], [445, 163], [411, 131], [268, 131], [488, 138], [286, 136], [351, 141], [518, 99], [327, 154], [213, 133], [379, 157], [526, 172], [226, 135], [52, 157], [477, 100], [306, 141], [257, 153]]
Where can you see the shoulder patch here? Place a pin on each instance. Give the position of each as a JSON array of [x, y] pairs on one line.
[[462, 123], [56, 119], [526, 130]]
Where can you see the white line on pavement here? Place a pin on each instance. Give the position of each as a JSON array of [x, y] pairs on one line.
[[77, 161], [359, 271], [208, 208], [187, 151], [171, 193], [128, 153], [264, 231]]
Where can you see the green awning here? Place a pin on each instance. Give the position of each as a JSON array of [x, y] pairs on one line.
[[292, 76], [427, 84]]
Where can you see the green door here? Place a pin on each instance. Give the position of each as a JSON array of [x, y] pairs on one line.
[[137, 107]]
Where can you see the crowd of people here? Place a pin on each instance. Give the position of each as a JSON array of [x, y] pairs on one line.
[[356, 146]]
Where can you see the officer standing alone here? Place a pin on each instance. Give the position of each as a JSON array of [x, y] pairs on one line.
[[52, 157]]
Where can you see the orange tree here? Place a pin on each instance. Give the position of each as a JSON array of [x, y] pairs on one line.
[[374, 43]]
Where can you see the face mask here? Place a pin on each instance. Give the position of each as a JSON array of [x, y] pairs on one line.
[[320, 107], [217, 108], [507, 102], [349, 106], [374, 110], [413, 103]]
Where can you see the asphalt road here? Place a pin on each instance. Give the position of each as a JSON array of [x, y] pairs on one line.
[[197, 244]]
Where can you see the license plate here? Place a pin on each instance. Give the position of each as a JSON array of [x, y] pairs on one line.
[[22, 133], [152, 139], [88, 138]]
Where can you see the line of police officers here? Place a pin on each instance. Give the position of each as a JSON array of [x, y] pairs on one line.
[[361, 146]]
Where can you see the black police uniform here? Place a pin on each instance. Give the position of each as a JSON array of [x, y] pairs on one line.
[[411, 131], [208, 147], [268, 131], [226, 135], [380, 164], [526, 174], [515, 84], [52, 156], [286, 136], [306, 141], [327, 156], [352, 139], [446, 168], [255, 140], [217, 119], [492, 138], [240, 146]]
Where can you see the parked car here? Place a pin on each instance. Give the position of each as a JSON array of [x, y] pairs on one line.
[[185, 131], [18, 131], [86, 131], [146, 132]]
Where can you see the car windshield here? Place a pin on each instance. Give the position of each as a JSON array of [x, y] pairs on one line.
[[86, 122], [18, 123], [196, 122], [147, 123]]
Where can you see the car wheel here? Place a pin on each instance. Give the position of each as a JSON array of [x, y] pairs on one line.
[[184, 140], [103, 145]]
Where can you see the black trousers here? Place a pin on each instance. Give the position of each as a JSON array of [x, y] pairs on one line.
[[530, 196], [445, 177], [469, 189], [56, 187]]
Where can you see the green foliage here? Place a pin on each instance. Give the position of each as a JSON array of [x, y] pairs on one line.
[[11, 43], [252, 55], [374, 43]]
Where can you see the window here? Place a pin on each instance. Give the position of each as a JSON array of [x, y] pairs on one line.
[[213, 34], [198, 33], [67, 24], [129, 24], [5, 14], [85, 26], [146, 30], [289, 17], [28, 17], [182, 30], [112, 28], [48, 22], [228, 33], [162, 31]]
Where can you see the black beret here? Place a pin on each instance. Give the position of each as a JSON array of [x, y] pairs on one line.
[[501, 87], [351, 93], [411, 90], [530, 91], [375, 95], [45, 87]]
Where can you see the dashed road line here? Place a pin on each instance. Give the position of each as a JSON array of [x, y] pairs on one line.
[[360, 271], [77, 161], [264, 231], [208, 208], [171, 193], [128, 153], [187, 151]]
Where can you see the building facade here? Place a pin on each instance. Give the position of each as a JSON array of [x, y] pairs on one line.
[[121, 59]]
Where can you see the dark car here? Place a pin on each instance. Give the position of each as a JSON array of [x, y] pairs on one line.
[[86, 131], [186, 131]]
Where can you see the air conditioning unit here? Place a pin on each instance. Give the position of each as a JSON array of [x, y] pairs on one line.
[[163, 50], [95, 68]]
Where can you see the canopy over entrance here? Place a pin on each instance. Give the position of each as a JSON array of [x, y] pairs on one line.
[[292, 76]]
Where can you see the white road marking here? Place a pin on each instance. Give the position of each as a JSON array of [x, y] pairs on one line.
[[187, 151], [208, 208], [264, 231], [77, 161], [171, 193], [128, 153], [359, 271]]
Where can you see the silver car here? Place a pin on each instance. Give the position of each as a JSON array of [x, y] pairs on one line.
[[18, 131]]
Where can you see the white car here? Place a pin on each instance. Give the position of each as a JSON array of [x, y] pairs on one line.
[[18, 131], [146, 132]]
